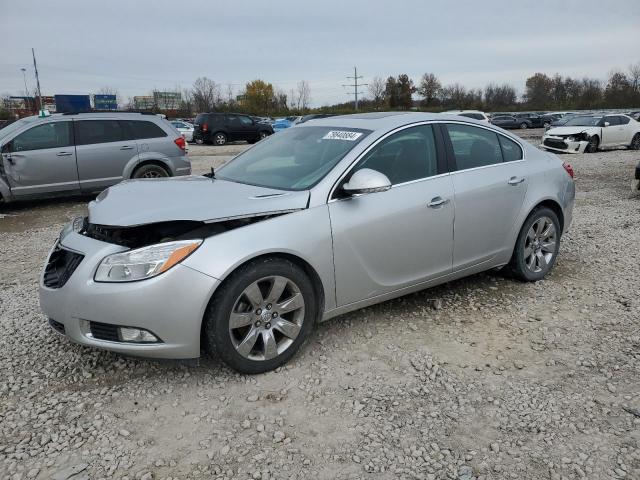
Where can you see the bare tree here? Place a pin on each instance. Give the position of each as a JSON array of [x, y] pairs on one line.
[[304, 95], [377, 88], [206, 94], [293, 99]]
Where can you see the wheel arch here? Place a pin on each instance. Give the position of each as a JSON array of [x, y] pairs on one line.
[[297, 260]]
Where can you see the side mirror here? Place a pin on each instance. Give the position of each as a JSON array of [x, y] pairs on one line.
[[366, 181], [606, 124]]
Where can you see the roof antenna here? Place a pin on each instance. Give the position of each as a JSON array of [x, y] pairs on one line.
[[213, 174]]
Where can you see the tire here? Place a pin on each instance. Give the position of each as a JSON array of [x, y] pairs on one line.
[[537, 246], [592, 146], [635, 142], [262, 135], [219, 139], [546, 125], [244, 297], [524, 126], [150, 170]]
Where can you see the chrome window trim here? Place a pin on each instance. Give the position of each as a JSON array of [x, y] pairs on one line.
[[417, 124]]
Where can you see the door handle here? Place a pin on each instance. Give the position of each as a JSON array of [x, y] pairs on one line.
[[126, 147], [516, 180], [63, 154], [436, 202]]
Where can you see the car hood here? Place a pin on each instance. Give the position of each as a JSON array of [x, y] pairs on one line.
[[140, 202], [571, 130]]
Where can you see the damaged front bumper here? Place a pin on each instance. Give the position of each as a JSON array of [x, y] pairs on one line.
[[170, 306], [566, 145]]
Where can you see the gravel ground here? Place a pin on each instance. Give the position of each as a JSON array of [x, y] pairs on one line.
[[482, 378]]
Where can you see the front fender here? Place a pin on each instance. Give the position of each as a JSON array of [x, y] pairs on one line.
[[305, 234]]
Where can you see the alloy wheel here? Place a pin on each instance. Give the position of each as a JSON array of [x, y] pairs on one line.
[[220, 139], [266, 318], [152, 174], [540, 245]]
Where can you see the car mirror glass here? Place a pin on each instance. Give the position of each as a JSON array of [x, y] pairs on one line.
[[366, 181], [606, 124]]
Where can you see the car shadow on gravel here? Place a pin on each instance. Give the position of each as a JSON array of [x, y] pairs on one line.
[[26, 215]]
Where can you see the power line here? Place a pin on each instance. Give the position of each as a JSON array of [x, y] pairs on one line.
[[355, 85]]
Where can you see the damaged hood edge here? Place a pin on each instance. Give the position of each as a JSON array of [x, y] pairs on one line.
[[143, 202]]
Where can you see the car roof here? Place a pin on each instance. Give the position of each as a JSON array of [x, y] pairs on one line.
[[384, 120]]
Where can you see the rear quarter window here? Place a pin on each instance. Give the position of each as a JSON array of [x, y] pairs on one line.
[[511, 151], [142, 129]]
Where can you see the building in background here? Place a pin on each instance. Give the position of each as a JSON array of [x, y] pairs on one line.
[[167, 100], [143, 102]]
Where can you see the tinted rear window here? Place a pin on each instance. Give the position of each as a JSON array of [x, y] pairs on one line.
[[89, 132], [475, 116], [140, 129]]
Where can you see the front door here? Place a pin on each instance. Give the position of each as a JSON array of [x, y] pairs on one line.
[[41, 160], [490, 183], [390, 240], [613, 134]]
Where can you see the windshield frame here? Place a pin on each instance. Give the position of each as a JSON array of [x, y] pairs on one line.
[[365, 134]]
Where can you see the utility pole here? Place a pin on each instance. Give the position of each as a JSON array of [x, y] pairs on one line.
[[35, 66], [355, 85], [24, 77]]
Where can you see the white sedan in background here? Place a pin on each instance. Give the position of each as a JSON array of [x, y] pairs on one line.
[[590, 133], [185, 129]]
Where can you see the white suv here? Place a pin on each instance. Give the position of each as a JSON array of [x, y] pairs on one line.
[[475, 114]]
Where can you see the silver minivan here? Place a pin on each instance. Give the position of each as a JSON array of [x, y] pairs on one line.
[[64, 154]]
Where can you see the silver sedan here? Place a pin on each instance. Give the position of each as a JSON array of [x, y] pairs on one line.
[[327, 217]]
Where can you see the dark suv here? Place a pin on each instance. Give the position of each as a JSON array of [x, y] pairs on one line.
[[220, 128]]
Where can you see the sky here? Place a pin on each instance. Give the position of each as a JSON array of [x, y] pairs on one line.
[[137, 46]]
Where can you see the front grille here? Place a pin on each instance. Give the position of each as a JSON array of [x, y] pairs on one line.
[[57, 326], [60, 266], [104, 331], [555, 143]]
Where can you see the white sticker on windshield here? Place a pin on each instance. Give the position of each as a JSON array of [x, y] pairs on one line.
[[342, 135]]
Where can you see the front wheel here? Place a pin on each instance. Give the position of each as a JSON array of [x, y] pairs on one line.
[[261, 315], [524, 126], [262, 135], [537, 246], [592, 146]]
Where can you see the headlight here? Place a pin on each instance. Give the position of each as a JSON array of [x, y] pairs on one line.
[[144, 262], [572, 139]]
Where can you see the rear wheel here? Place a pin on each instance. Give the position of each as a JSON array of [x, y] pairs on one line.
[[261, 315], [262, 135], [150, 171], [220, 139], [523, 125], [537, 245], [635, 142], [592, 146]]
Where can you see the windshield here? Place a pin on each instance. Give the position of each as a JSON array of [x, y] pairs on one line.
[[583, 121], [294, 159], [12, 127]]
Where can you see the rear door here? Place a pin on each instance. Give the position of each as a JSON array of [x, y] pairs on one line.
[[248, 127], [42, 159], [235, 128], [103, 151], [490, 182]]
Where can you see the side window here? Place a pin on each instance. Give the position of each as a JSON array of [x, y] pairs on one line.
[[246, 121], [404, 156], [623, 120], [510, 150], [473, 146], [140, 130], [233, 120], [48, 135], [613, 120], [89, 132]]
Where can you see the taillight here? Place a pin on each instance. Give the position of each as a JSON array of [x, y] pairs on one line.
[[205, 127], [568, 168], [182, 145]]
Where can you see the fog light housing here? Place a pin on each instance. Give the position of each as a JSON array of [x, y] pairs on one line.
[[136, 335]]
